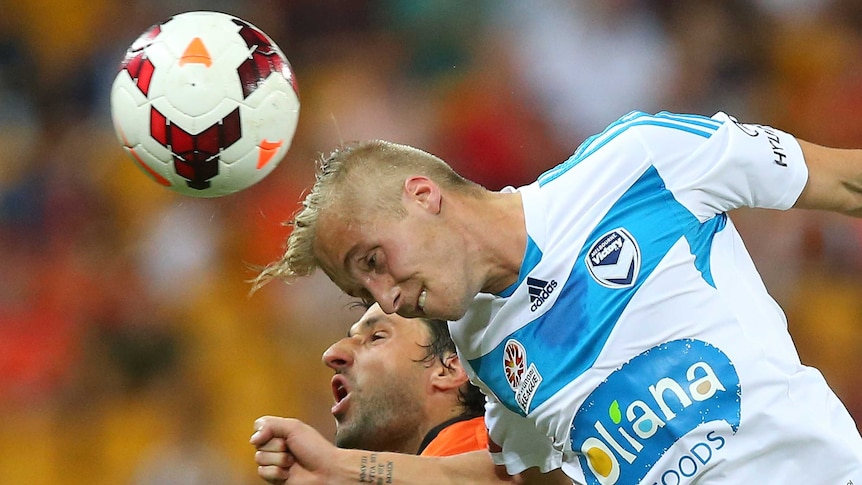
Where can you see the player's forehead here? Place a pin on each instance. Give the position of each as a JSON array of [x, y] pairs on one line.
[[334, 242], [339, 243], [337, 274], [375, 317], [372, 316]]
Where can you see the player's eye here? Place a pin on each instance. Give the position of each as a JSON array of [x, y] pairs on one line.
[[367, 299], [374, 261], [377, 336]]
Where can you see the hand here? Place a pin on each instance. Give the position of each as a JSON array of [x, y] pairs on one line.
[[290, 451]]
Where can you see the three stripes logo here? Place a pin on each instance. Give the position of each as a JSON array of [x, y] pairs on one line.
[[539, 290]]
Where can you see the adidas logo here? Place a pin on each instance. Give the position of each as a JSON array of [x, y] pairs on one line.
[[539, 290]]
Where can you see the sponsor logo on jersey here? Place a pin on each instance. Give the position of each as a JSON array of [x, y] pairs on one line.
[[778, 151], [750, 130], [614, 260], [514, 362], [523, 379], [539, 290], [631, 420]]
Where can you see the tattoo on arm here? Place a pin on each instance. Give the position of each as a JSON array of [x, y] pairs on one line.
[[373, 471]]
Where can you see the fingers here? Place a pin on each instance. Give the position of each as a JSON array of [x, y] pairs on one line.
[[262, 432], [274, 462], [276, 445], [273, 474], [274, 458], [272, 421], [268, 427]]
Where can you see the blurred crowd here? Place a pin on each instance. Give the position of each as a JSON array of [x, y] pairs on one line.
[[130, 348]]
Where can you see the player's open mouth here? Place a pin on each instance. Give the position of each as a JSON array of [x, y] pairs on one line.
[[340, 392]]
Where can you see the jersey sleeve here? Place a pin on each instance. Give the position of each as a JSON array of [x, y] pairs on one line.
[[725, 164], [516, 443]]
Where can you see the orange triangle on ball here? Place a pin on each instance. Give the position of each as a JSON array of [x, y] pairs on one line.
[[268, 149], [196, 53]]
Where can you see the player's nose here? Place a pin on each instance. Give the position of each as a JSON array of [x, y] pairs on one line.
[[339, 355], [385, 292]]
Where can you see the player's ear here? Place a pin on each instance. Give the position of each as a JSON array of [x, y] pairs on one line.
[[449, 374], [423, 191]]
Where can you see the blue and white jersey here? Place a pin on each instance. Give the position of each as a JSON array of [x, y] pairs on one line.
[[639, 344]]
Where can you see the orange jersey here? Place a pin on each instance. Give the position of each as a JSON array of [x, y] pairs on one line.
[[458, 437]]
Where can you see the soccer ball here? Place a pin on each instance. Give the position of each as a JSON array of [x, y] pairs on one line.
[[205, 104]]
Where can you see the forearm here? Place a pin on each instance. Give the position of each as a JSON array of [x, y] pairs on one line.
[[834, 180], [358, 466], [290, 450]]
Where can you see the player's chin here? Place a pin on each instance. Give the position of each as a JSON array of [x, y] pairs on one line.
[[344, 438], [444, 312], [454, 312]]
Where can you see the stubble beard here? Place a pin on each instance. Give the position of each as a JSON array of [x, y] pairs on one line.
[[388, 420]]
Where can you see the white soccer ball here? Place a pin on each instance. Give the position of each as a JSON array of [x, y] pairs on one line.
[[205, 103]]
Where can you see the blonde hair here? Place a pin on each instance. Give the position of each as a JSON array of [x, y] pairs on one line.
[[361, 178]]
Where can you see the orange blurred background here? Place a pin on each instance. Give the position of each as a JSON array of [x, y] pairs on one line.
[[130, 349]]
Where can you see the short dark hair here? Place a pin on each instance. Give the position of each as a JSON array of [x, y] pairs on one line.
[[440, 346]]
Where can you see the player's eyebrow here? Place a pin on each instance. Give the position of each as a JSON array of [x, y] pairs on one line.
[[367, 324], [341, 279], [348, 257], [344, 278]]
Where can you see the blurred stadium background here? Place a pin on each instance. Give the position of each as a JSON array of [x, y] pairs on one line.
[[130, 350]]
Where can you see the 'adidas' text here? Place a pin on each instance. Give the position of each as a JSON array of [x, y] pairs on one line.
[[539, 291]]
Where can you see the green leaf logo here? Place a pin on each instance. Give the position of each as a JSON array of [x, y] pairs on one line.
[[615, 413]]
